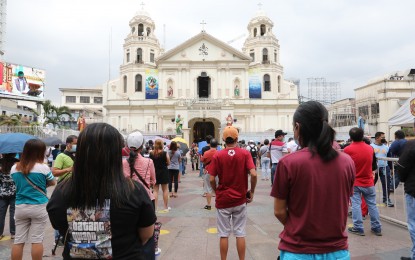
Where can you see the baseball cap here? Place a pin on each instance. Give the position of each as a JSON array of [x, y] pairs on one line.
[[279, 132], [231, 132], [135, 140]]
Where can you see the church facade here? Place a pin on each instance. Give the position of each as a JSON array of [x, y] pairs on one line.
[[204, 80]]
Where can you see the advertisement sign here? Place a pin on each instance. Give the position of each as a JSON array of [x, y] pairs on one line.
[[152, 84], [254, 83], [21, 81]]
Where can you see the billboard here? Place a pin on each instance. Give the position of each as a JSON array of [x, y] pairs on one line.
[[21, 81], [152, 84], [254, 83]]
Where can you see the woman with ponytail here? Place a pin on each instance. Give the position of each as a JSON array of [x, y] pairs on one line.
[[312, 188], [137, 167]]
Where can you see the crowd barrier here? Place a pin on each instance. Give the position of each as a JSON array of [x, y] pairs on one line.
[[396, 214]]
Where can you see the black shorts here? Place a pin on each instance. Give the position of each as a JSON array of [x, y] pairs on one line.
[[162, 176]]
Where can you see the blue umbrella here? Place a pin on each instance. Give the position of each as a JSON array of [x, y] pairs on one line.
[[14, 142]]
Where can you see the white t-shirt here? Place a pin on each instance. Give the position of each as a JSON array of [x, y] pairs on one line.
[[292, 146]]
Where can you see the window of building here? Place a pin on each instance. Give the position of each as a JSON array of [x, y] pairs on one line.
[[140, 29], [279, 84], [84, 99], [125, 84], [267, 83], [263, 30], [139, 55], [128, 57], [70, 99], [3, 113], [364, 110], [98, 100], [148, 31], [265, 54], [252, 54], [138, 83], [374, 109], [255, 32], [151, 56], [275, 55]]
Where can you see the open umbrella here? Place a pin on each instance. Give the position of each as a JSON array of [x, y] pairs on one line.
[[184, 147], [180, 140], [52, 141], [14, 142]]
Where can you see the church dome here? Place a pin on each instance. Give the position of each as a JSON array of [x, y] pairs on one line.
[[142, 16]]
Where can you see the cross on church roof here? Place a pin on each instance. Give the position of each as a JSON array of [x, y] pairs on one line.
[[203, 25], [142, 5], [260, 5]]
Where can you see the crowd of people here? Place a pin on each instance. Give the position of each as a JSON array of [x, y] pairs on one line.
[[106, 200]]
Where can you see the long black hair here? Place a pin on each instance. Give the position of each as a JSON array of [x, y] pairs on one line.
[[131, 162], [7, 162], [315, 131], [98, 172]]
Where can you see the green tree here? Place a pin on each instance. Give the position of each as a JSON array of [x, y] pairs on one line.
[[13, 120], [54, 114]]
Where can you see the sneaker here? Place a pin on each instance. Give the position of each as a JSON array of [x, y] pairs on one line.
[[377, 232], [389, 203], [208, 207], [355, 231]]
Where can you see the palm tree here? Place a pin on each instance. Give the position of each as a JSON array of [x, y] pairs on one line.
[[54, 114], [13, 120]]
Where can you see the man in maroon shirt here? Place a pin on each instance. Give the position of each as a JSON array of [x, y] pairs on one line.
[[232, 165], [362, 155], [311, 190]]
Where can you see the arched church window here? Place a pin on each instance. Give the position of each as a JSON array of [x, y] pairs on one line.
[[148, 31], [255, 32], [139, 55], [151, 55], [125, 84], [263, 30], [279, 84], [140, 30], [265, 54], [128, 55], [267, 83], [138, 83], [252, 54]]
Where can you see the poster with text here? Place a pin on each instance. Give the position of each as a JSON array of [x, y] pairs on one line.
[[21, 81], [254, 83], [152, 84]]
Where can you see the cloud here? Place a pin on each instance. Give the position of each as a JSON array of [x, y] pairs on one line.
[[345, 41]]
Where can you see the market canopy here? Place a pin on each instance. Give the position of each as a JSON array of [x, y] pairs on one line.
[[405, 115]]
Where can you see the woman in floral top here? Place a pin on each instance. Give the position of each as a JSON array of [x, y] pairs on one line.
[[7, 193]]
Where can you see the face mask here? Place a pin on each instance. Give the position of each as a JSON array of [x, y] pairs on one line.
[[73, 149], [297, 142], [383, 141]]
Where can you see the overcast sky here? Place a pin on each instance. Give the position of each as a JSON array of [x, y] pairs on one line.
[[345, 41]]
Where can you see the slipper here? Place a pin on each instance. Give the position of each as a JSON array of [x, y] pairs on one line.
[[174, 196]]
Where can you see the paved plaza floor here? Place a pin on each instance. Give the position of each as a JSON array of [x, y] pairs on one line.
[[189, 231]]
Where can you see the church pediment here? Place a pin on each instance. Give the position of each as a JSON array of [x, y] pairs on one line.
[[203, 47]]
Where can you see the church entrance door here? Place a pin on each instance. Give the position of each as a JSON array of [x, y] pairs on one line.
[[203, 85], [202, 129]]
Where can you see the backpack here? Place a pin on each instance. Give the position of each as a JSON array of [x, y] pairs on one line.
[[253, 151]]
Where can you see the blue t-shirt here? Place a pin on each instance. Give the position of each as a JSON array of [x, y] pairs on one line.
[[174, 160], [380, 151], [25, 192]]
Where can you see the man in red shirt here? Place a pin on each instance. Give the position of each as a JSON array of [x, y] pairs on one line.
[[362, 155], [231, 165], [206, 160]]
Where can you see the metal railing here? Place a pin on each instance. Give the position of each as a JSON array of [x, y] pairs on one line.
[[396, 214]]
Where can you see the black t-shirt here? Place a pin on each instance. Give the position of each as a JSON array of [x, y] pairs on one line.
[[204, 149], [124, 221]]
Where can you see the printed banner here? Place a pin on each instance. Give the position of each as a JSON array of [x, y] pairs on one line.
[[21, 81], [152, 84], [254, 83]]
